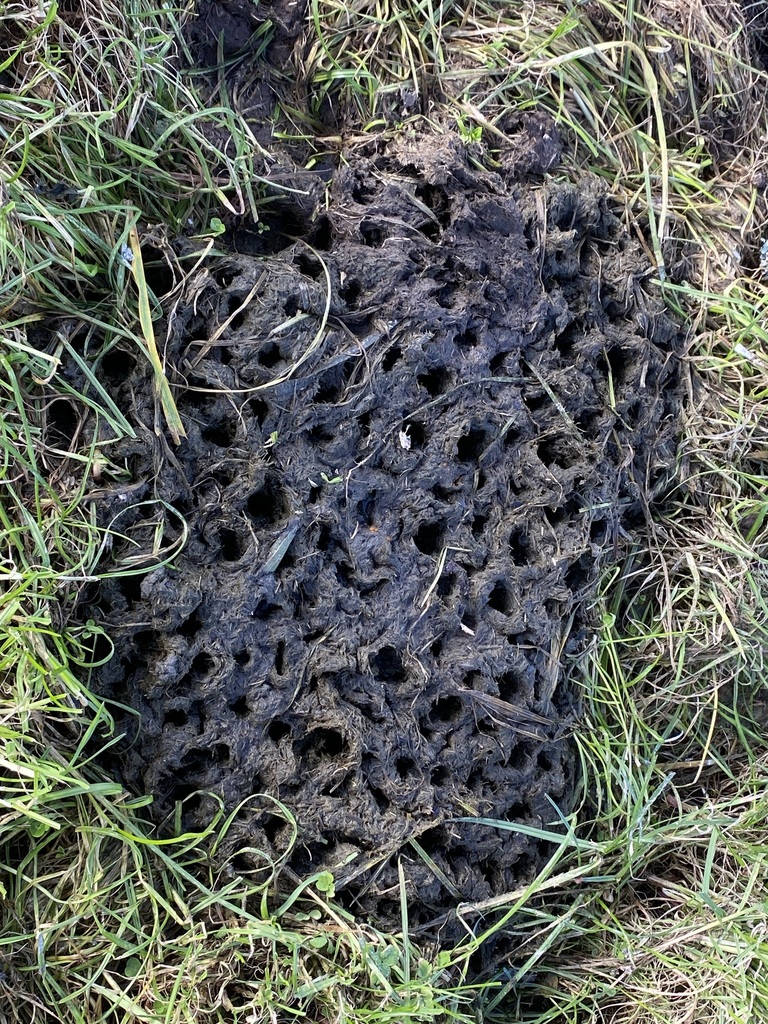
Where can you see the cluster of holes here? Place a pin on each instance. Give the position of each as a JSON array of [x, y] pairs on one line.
[[318, 748]]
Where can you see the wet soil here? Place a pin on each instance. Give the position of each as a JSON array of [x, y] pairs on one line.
[[442, 396]]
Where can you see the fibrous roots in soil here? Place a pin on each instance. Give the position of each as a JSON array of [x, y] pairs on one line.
[[442, 394]]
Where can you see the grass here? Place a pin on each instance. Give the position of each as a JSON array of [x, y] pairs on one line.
[[652, 908]]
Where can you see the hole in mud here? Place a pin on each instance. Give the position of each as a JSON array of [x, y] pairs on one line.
[[259, 410], [519, 756], [429, 538], [437, 200], [278, 730], [321, 745], [632, 413], [269, 355], [617, 360], [535, 400], [496, 365], [202, 664], [266, 609], [518, 546], [363, 189], [435, 381], [350, 292], [590, 423], [433, 840], [466, 340], [612, 364], [272, 825], [269, 504], [404, 766], [499, 598], [580, 575], [192, 625], [446, 585], [185, 794], [472, 445], [557, 451], [544, 761], [366, 510], [239, 706], [417, 433], [510, 436], [62, 423], [326, 540], [333, 383], [555, 516], [478, 525], [321, 435], [321, 235], [510, 688], [117, 365], [309, 265], [336, 787], [566, 340], [439, 775], [382, 800], [176, 717], [223, 474], [280, 224], [447, 709], [235, 313], [233, 545], [195, 761], [372, 233], [391, 357], [430, 230], [130, 587], [224, 276], [157, 272], [221, 434], [387, 665]]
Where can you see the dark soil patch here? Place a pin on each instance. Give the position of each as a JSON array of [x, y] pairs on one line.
[[388, 549]]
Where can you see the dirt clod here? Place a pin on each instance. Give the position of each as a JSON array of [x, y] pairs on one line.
[[388, 547]]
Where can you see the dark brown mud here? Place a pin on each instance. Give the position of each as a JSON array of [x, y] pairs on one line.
[[448, 395]]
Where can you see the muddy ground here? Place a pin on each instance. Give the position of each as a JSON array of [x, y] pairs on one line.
[[443, 395]]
